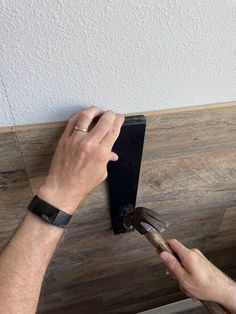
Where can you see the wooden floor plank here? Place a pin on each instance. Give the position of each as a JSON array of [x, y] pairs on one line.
[[229, 220], [15, 191], [93, 306]]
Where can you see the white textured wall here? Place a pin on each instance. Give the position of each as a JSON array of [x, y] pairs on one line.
[[127, 55]]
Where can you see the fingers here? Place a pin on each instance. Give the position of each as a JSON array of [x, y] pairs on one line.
[[82, 119], [106, 130], [103, 125], [172, 264], [178, 248], [112, 135], [85, 117]]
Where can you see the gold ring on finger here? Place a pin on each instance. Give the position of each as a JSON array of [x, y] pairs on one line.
[[81, 129]]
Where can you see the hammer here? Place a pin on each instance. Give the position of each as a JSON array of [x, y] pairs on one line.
[[149, 223]]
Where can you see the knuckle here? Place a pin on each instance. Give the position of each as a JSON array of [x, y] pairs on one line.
[[108, 115], [106, 120], [192, 256], [93, 107], [113, 130], [110, 112], [87, 147], [172, 266], [102, 154], [84, 116], [198, 253]]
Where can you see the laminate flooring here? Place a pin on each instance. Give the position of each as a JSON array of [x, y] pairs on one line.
[[188, 175]]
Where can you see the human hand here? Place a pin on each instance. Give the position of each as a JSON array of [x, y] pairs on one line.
[[198, 278], [80, 160]]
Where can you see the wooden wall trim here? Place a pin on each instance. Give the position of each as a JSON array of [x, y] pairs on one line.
[[176, 307], [224, 105]]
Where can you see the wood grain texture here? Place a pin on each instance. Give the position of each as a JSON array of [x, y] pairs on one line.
[[15, 191], [188, 175], [200, 310]]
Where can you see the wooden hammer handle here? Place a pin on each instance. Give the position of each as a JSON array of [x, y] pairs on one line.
[[159, 243]]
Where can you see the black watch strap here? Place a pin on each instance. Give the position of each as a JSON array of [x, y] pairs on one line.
[[49, 213]]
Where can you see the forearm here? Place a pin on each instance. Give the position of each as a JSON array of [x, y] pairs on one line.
[[78, 166], [23, 264]]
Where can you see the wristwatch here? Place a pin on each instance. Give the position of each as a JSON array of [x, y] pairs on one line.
[[49, 213]]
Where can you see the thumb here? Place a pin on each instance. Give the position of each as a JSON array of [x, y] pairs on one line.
[[172, 264]]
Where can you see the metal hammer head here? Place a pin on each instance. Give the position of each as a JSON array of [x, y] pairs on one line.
[[142, 219]]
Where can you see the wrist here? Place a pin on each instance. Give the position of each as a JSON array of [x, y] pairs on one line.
[[229, 298], [63, 200]]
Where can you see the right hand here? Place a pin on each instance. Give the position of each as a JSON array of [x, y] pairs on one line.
[[198, 278]]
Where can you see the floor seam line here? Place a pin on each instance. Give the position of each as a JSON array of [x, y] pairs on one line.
[[15, 134]]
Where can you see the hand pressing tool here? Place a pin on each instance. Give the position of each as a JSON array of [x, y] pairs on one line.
[[151, 224]]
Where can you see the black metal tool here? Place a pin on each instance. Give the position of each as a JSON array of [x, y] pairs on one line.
[[123, 175], [150, 224], [141, 216]]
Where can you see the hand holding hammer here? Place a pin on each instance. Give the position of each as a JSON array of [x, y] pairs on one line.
[[190, 267]]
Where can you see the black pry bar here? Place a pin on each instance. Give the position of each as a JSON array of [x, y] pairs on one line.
[[123, 175]]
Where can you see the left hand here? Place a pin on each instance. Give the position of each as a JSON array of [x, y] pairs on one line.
[[80, 161]]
